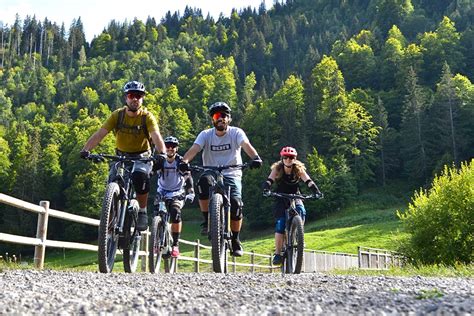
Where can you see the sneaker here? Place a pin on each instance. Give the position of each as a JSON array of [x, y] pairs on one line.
[[175, 252], [237, 250], [277, 260], [204, 228], [142, 221]]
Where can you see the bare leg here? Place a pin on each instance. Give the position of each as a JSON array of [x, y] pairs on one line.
[[204, 205], [278, 242], [142, 200], [235, 226], [176, 227]]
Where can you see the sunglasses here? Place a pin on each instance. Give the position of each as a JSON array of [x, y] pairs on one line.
[[170, 145], [287, 157], [219, 115], [134, 95]]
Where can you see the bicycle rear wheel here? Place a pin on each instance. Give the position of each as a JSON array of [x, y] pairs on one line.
[[132, 238], [108, 237], [218, 250], [295, 247], [155, 250]]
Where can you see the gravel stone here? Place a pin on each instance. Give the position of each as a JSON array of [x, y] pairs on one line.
[[65, 293]]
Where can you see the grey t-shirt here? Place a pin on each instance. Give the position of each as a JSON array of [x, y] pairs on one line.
[[222, 150], [170, 180]]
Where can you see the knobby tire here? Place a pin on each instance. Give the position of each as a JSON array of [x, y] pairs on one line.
[[108, 237], [132, 239], [217, 241], [155, 251], [295, 248]]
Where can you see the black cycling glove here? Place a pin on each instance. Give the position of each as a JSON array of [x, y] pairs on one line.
[[256, 162], [84, 154]]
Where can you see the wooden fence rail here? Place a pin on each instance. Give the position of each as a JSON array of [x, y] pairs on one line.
[[313, 260]]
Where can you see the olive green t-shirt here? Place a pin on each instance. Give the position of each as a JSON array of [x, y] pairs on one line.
[[131, 140]]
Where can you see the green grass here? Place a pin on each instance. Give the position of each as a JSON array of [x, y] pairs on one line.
[[458, 270]]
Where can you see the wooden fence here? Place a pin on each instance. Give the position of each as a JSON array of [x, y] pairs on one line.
[[314, 260], [378, 259]]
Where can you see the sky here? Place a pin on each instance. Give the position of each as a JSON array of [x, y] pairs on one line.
[[96, 14]]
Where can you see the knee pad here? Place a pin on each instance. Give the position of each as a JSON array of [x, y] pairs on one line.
[[175, 213], [280, 225], [236, 206], [204, 182], [141, 182]]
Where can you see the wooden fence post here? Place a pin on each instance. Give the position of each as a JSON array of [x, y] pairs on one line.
[[252, 261], [144, 244], [271, 263], [234, 266], [41, 233], [359, 256], [196, 255]]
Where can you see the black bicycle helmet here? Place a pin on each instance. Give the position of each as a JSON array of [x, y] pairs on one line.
[[219, 107], [134, 86], [172, 140]]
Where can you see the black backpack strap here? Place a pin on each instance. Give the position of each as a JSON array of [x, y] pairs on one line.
[[120, 119]]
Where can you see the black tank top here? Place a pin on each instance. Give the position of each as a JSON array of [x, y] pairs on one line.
[[288, 183]]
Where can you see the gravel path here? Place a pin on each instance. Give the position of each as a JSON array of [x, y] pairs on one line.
[[54, 292]]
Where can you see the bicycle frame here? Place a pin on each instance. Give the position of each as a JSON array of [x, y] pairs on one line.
[[292, 253], [219, 222], [218, 186], [127, 193]]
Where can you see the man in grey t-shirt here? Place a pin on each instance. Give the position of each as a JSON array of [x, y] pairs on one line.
[[221, 145]]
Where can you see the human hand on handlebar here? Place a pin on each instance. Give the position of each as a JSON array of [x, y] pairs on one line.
[[256, 162], [189, 197], [318, 195], [184, 166], [84, 154]]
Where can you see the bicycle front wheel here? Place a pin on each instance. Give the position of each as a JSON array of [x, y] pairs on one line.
[[295, 247], [132, 238], [155, 250], [108, 237], [218, 251]]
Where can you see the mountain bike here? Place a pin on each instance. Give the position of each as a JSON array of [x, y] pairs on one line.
[[293, 246], [219, 229], [161, 239], [118, 218]]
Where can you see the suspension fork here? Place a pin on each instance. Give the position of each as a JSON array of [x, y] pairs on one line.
[[125, 198], [227, 211]]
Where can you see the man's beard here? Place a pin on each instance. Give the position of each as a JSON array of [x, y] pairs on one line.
[[221, 127], [133, 109], [170, 155]]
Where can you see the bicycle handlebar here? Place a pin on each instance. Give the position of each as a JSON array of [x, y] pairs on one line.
[[102, 157], [294, 196], [219, 168]]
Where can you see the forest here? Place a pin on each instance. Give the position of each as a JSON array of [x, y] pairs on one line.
[[370, 92]]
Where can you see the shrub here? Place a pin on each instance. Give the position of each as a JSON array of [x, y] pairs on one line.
[[440, 222]]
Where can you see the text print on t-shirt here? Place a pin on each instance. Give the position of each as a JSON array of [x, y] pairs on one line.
[[220, 147]]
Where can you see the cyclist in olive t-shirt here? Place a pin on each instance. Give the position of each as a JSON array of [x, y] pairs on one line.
[[133, 126]]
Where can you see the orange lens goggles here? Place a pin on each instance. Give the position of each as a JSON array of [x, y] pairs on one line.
[[219, 115]]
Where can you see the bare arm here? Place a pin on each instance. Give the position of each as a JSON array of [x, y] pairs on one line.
[[304, 176], [191, 153], [158, 141], [95, 139], [249, 150]]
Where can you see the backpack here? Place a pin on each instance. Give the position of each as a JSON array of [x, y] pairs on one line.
[[135, 129], [161, 168]]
